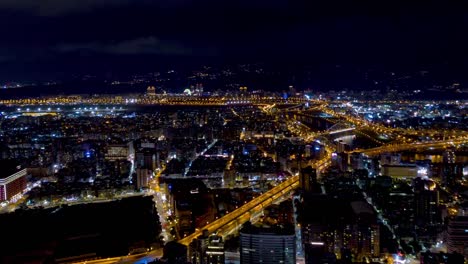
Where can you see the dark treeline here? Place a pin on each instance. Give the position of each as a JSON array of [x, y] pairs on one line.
[[106, 229]]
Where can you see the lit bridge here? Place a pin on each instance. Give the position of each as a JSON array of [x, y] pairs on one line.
[[166, 99], [414, 145]]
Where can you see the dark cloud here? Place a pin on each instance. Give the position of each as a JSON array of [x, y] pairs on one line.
[[61, 7], [53, 33], [5, 58], [139, 46]]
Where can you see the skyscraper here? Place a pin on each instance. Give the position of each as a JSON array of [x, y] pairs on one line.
[[308, 179], [267, 245], [426, 198], [457, 240], [365, 240], [142, 179], [451, 170], [151, 91], [207, 249]]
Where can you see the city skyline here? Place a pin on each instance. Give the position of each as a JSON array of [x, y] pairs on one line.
[[233, 132]]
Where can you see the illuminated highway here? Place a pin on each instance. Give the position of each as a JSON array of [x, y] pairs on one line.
[[361, 125], [415, 145], [243, 213], [233, 220], [137, 258], [251, 210], [400, 134], [170, 99]]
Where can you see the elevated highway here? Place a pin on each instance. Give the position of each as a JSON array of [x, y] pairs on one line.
[[244, 213], [414, 145], [233, 220]]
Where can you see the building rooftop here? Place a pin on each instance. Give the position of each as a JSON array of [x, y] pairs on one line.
[[400, 165], [248, 228], [361, 207], [9, 167]]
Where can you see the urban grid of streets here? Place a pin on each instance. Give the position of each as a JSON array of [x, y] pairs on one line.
[[250, 211]]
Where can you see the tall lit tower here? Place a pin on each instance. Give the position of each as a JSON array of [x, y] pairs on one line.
[[151, 91]]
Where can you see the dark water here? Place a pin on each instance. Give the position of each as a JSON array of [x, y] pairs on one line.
[[434, 157]]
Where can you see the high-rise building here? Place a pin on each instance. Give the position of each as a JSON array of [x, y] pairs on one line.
[[199, 88], [449, 156], [307, 151], [451, 171], [229, 178], [356, 161], [174, 253], [145, 158], [151, 91], [457, 240], [307, 179], [341, 146], [330, 234], [426, 198], [119, 151], [12, 180], [207, 249], [365, 239], [340, 161], [408, 171], [267, 244], [215, 250], [143, 176], [390, 159]]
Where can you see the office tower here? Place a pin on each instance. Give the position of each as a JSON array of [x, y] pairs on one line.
[[457, 239], [142, 180], [312, 223], [229, 178], [207, 249], [151, 91], [215, 250], [399, 171], [332, 228], [356, 161], [197, 248], [267, 244], [174, 252], [145, 158], [365, 241], [307, 179], [390, 159], [449, 156], [451, 171], [426, 198], [119, 151], [340, 161], [341, 146], [307, 151], [12, 180]]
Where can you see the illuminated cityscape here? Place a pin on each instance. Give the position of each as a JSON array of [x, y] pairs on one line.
[[206, 133], [215, 164]]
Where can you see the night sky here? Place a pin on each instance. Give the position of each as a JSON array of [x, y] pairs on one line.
[[51, 38]]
